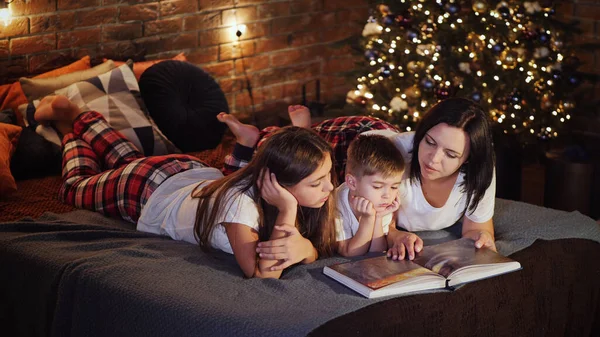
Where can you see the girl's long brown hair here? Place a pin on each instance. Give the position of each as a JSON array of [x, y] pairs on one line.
[[292, 154]]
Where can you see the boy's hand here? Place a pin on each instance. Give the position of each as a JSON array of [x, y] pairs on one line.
[[405, 244], [393, 207], [362, 207]]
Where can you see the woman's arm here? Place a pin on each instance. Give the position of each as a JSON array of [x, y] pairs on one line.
[[481, 232]]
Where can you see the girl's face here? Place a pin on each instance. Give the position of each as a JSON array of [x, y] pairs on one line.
[[442, 151], [314, 190]]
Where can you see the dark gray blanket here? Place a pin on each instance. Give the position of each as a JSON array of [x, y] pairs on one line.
[[105, 279]]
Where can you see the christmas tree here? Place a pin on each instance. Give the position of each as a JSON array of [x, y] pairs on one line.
[[510, 56]]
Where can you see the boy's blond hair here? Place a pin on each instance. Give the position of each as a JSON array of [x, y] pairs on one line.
[[374, 154]]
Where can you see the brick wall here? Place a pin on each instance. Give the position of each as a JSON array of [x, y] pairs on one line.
[[287, 43]]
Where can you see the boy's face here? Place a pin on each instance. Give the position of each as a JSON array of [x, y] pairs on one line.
[[379, 190]]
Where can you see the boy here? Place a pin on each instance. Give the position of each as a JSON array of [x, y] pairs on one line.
[[367, 201]]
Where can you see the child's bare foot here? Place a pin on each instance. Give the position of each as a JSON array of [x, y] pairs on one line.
[[58, 111], [245, 134], [299, 115]]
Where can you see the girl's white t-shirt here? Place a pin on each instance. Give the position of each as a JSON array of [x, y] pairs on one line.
[[416, 214], [171, 210]]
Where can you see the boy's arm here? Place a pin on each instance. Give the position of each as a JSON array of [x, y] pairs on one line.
[[359, 244], [379, 241]]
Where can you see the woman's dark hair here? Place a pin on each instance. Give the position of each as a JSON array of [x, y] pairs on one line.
[[292, 154], [479, 167]]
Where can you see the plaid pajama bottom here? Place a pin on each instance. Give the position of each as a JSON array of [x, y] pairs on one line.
[[103, 171], [338, 132]]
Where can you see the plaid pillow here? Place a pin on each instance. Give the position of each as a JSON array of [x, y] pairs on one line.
[[114, 94]]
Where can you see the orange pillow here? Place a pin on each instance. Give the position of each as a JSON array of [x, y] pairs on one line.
[[16, 97], [9, 137], [140, 67]]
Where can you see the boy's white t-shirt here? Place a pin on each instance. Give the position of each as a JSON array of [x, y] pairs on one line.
[[416, 214], [346, 223], [171, 210]]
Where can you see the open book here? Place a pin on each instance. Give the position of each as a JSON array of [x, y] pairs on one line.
[[435, 267]]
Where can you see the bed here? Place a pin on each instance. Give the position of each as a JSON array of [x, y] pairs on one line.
[[66, 272]]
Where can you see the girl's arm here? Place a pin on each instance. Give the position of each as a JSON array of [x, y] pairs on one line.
[[481, 232], [243, 240]]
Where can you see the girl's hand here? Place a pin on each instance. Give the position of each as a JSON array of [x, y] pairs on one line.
[[393, 207], [405, 244], [362, 207], [291, 249], [274, 194], [482, 238]]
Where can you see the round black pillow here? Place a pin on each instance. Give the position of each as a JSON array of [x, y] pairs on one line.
[[184, 101]]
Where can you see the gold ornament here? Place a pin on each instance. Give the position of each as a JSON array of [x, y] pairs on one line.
[[480, 7], [413, 94], [474, 42], [509, 58], [546, 101], [415, 66]]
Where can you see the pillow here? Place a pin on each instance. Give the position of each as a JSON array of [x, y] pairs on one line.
[[9, 137], [15, 96], [184, 101], [140, 67], [35, 88], [115, 95]]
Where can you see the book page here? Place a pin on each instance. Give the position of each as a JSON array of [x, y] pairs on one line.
[[450, 256], [380, 271]]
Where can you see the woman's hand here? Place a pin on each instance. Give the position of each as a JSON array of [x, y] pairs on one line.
[[393, 207], [482, 238], [274, 194], [291, 249], [404, 244], [362, 207]]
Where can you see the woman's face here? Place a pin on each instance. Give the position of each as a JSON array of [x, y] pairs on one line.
[[442, 151], [314, 190]]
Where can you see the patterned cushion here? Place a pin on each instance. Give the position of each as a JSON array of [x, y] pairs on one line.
[[115, 95]]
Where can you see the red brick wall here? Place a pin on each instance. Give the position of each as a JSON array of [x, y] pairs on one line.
[[287, 43]]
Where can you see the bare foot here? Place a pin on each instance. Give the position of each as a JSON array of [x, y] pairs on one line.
[[57, 111], [299, 115], [245, 134]]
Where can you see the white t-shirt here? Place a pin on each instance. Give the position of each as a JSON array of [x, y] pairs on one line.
[[416, 214], [171, 210], [346, 223]]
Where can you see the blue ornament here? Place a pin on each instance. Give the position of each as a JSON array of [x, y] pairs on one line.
[[411, 34], [543, 37], [515, 97], [427, 83], [371, 54], [389, 20], [556, 74], [452, 8], [497, 48], [385, 71], [476, 96], [574, 79]]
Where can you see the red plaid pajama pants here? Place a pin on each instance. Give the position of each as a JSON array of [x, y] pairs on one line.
[[103, 171], [338, 132]]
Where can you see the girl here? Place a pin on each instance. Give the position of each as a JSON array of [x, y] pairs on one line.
[[281, 196], [451, 171]]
